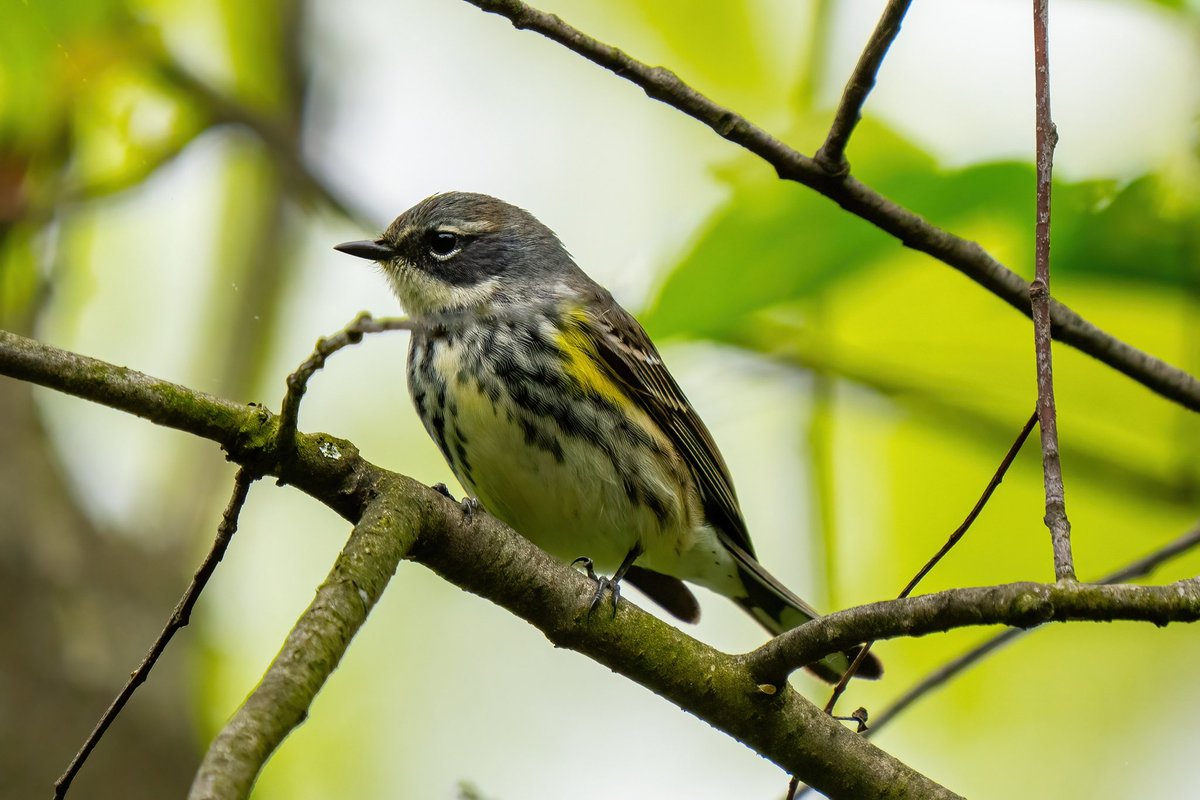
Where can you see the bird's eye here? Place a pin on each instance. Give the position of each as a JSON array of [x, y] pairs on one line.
[[443, 244]]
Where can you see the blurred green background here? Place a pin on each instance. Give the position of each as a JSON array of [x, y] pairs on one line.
[[174, 174]]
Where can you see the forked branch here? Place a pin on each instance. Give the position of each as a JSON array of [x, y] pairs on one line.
[[910, 228], [831, 156]]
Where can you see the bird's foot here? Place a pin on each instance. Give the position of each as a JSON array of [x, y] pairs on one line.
[[602, 583], [468, 504], [859, 717]]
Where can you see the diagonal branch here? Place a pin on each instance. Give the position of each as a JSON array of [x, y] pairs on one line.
[[831, 156], [297, 382], [179, 619], [911, 229], [311, 652], [953, 540]]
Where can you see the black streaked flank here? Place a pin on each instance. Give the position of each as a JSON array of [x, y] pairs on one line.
[[437, 427], [539, 437]]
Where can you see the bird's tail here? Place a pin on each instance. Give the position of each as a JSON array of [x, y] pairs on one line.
[[778, 610]]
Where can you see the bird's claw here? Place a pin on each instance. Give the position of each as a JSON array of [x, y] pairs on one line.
[[602, 583], [469, 505]]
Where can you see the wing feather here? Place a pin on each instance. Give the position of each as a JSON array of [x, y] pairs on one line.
[[624, 348]]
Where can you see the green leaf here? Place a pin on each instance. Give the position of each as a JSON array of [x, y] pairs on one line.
[[1135, 237], [776, 244]]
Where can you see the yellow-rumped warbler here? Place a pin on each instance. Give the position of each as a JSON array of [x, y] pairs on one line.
[[557, 414]]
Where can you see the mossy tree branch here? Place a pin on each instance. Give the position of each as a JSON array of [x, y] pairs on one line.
[[480, 554], [477, 553], [313, 649]]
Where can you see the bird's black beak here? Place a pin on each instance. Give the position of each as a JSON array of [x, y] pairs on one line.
[[372, 251]]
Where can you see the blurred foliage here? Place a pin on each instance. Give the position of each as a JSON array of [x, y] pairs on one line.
[[804, 245], [97, 97], [914, 380]]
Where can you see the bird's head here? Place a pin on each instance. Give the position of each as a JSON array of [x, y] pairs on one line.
[[459, 251]]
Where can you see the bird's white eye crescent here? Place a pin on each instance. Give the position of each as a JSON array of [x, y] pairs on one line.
[[443, 244]]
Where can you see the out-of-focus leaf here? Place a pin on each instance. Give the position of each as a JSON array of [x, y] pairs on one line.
[[127, 125], [81, 114], [717, 44], [47, 53], [1135, 237], [1099, 230], [773, 243], [777, 244], [256, 36], [743, 54]]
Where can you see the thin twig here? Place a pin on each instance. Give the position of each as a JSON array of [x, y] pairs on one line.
[[911, 229], [961, 530], [178, 619], [1147, 564], [1137, 569], [1039, 294], [297, 382], [831, 156], [958, 534]]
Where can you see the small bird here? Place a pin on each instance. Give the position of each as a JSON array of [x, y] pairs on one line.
[[556, 412]]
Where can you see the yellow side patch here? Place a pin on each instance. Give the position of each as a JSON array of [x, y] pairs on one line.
[[582, 360]]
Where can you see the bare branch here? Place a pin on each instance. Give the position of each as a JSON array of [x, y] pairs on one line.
[[1039, 295], [484, 556], [831, 156], [911, 229], [951, 669], [179, 619]]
